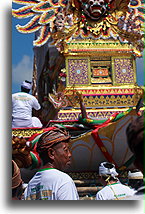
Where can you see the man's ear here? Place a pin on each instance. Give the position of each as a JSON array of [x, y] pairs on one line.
[[51, 153]]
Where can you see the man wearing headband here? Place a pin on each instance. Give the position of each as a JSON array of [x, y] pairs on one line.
[[50, 183], [22, 105], [135, 179], [113, 190]]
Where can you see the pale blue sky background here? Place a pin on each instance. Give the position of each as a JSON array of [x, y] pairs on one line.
[[22, 56]]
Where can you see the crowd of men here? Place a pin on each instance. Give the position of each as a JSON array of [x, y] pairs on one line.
[[52, 183]]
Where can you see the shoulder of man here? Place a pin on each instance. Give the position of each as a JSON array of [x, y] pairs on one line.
[[15, 94], [32, 97], [58, 174], [63, 176]]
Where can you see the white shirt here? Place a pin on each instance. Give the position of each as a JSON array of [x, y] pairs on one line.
[[22, 104], [51, 184], [138, 195], [108, 192]]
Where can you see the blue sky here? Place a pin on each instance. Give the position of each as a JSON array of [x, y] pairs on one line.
[[22, 56]]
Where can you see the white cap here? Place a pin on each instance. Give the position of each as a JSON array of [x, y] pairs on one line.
[[26, 85], [135, 175], [104, 170]]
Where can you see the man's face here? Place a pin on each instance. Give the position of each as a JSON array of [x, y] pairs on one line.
[[102, 181], [62, 156]]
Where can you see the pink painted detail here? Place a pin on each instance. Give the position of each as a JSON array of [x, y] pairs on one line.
[[98, 49], [106, 94]]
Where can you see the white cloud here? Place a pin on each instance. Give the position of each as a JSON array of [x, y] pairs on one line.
[[23, 70]]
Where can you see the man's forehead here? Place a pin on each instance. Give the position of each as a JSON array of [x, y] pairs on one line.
[[62, 145]]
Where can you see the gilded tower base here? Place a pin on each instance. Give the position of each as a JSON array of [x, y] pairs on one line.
[[104, 72]]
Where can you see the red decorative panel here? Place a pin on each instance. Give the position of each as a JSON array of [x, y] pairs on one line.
[[100, 72]]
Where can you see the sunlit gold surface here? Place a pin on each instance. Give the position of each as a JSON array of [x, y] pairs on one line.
[[97, 47]]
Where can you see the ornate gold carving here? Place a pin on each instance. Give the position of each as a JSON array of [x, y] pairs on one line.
[[101, 53], [123, 69], [94, 90], [94, 99], [26, 133], [80, 65], [100, 63], [99, 58], [101, 80], [83, 175], [97, 45], [95, 113], [107, 101]]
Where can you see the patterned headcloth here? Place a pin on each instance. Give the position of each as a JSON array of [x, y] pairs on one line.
[[16, 176], [49, 138], [26, 84], [106, 169], [135, 175]]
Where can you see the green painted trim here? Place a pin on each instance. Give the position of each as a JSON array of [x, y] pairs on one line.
[[40, 170], [111, 184], [35, 161]]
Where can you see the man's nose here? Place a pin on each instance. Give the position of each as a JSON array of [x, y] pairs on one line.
[[69, 153]]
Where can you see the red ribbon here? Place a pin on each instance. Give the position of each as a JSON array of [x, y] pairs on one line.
[[100, 143]]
